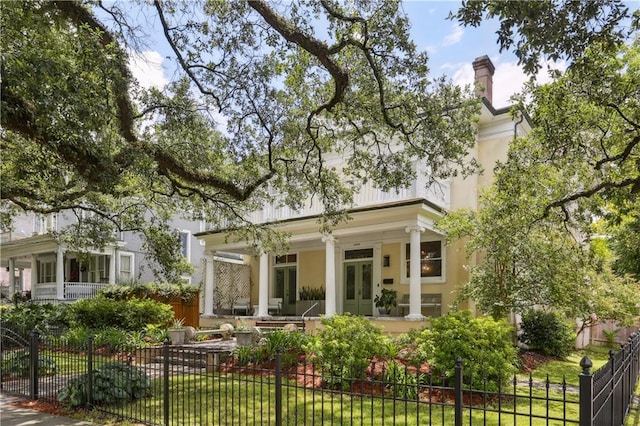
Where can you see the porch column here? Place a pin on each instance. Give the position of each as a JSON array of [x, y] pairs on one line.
[[209, 285], [21, 279], [263, 286], [414, 272], [12, 276], [34, 276], [60, 273], [112, 266], [330, 274]]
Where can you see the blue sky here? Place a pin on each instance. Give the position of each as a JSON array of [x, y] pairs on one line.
[[451, 50]]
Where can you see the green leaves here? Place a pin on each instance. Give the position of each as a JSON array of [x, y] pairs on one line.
[[261, 104]]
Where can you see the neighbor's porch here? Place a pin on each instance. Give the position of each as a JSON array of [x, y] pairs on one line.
[[56, 274]]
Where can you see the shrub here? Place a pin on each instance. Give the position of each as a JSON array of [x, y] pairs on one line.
[[345, 346], [25, 317], [112, 384], [483, 343], [156, 291], [547, 333], [17, 364], [109, 339], [132, 314], [401, 382]]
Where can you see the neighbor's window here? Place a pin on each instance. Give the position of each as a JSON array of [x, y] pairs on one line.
[[126, 267], [430, 259], [184, 244]]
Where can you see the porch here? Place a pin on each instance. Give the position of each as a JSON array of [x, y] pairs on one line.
[[42, 267], [390, 247]]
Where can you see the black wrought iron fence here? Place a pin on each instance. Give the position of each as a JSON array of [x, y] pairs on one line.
[[193, 385], [607, 394]]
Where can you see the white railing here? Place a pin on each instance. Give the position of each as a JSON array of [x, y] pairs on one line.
[[44, 291], [77, 291], [72, 290], [367, 196]]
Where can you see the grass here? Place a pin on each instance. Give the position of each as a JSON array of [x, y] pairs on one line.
[[569, 368], [240, 399], [250, 400]]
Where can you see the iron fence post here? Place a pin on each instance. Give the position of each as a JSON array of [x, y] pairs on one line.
[[458, 391], [586, 392], [33, 366], [90, 372], [279, 387], [165, 399]]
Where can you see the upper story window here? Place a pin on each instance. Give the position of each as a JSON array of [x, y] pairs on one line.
[[44, 223], [185, 240], [431, 260]]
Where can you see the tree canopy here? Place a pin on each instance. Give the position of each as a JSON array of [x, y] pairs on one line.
[[265, 93], [535, 230]]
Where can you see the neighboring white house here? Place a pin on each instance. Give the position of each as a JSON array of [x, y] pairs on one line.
[[33, 261], [390, 242]]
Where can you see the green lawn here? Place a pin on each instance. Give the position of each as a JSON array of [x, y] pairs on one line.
[[569, 368], [237, 399]]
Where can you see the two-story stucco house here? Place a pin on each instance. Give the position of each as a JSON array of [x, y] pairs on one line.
[[390, 242], [32, 260]]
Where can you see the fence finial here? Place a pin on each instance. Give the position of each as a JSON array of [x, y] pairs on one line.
[[586, 364]]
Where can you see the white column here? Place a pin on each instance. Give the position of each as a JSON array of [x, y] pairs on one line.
[[414, 272], [11, 276], [60, 273], [21, 279], [263, 286], [209, 285], [330, 274], [34, 276], [112, 266]]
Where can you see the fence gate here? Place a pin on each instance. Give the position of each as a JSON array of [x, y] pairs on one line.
[[15, 363]]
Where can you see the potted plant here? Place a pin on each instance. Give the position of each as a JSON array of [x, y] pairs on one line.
[[386, 300], [177, 332]]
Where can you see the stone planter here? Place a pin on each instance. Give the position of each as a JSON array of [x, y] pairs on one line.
[[177, 336], [244, 338]]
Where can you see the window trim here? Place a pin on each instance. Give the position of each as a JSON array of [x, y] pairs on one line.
[[188, 244], [424, 280], [131, 265]]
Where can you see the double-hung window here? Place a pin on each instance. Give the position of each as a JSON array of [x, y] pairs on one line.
[[432, 267]]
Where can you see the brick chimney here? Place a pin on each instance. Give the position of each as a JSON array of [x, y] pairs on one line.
[[484, 70]]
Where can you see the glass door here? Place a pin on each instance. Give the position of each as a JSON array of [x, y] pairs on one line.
[[358, 286], [285, 287]]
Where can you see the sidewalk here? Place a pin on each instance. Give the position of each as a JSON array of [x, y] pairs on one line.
[[15, 416]]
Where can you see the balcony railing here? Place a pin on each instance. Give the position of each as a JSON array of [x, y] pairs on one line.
[[368, 195]]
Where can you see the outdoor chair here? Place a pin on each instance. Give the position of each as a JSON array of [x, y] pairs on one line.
[[242, 304]]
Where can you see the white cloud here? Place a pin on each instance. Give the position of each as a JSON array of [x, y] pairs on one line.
[[507, 80], [454, 36], [146, 67]]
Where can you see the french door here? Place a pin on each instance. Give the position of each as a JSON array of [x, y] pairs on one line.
[[358, 287]]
